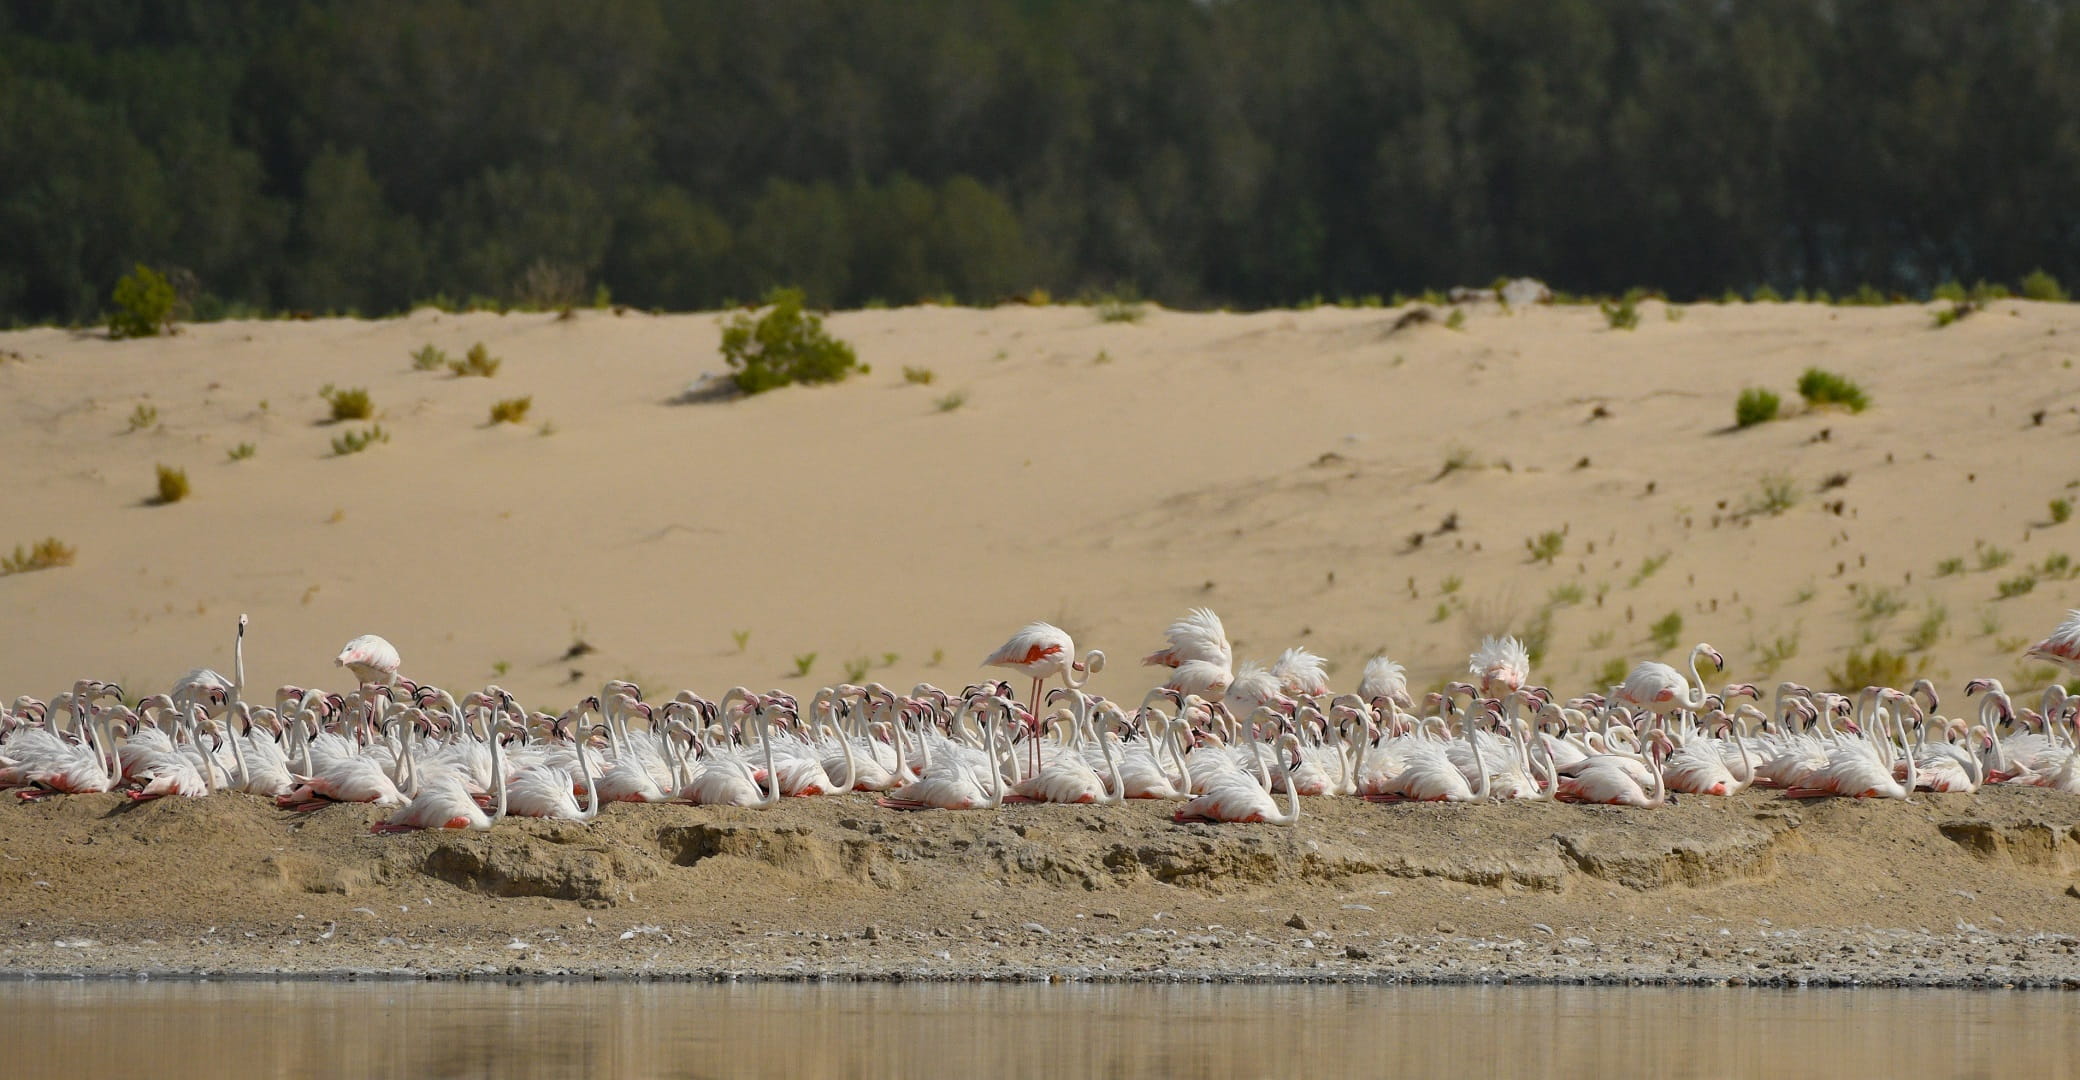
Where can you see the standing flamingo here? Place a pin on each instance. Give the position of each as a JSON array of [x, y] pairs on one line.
[[1040, 651], [1660, 689]]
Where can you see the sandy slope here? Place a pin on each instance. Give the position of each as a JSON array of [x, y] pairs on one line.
[[1273, 465]]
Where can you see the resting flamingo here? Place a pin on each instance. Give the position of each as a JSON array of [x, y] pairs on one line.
[[1603, 779], [947, 784], [1237, 797], [443, 801], [547, 791]]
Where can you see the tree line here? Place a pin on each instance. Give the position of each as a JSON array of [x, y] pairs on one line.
[[363, 156]]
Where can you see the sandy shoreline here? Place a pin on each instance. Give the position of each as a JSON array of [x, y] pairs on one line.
[[1744, 891]]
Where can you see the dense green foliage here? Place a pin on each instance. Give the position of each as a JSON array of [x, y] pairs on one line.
[[1820, 387], [784, 346], [326, 155], [143, 304], [1755, 406]]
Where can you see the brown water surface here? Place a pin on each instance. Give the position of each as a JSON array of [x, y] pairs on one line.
[[943, 1032]]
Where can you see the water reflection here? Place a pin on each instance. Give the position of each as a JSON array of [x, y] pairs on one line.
[[51, 1029]]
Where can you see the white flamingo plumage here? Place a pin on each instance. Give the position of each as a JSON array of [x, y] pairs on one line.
[[1302, 673], [1501, 665], [1237, 797], [2062, 647], [1661, 689], [371, 659], [1198, 636], [1385, 680]]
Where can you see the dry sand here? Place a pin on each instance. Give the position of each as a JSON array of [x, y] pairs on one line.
[[1105, 477]]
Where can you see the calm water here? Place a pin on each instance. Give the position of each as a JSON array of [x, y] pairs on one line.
[[161, 1030]]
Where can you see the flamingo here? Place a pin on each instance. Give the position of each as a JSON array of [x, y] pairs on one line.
[[1302, 673], [949, 785], [728, 780], [1861, 768], [547, 791], [1040, 651], [2063, 646], [1385, 680], [1428, 774], [443, 801], [371, 659], [1602, 779], [1238, 797], [1198, 636], [1660, 689], [1501, 665]]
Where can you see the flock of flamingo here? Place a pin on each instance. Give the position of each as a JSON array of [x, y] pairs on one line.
[[1222, 739]]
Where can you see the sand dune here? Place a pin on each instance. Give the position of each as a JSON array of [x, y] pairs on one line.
[[1274, 465]]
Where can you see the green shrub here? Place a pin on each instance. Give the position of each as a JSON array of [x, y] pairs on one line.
[[1666, 629], [2017, 586], [1546, 546], [42, 555], [784, 346], [428, 358], [1456, 320], [1755, 406], [1955, 312], [2037, 286], [1763, 294], [1950, 567], [1120, 309], [349, 404], [1613, 672], [951, 401], [144, 302], [478, 362], [1778, 494], [1993, 558], [1827, 388], [242, 451], [173, 484], [143, 416], [1878, 667], [1624, 315], [354, 442], [2061, 510], [919, 376], [511, 410], [1951, 291], [803, 663]]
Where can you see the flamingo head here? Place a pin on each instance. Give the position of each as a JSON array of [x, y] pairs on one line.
[[1977, 685], [1746, 690]]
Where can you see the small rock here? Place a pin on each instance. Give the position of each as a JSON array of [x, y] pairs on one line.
[[1107, 914], [1034, 928], [1446, 928], [2073, 890], [978, 914], [1299, 922], [873, 932], [1541, 928], [1355, 953]]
